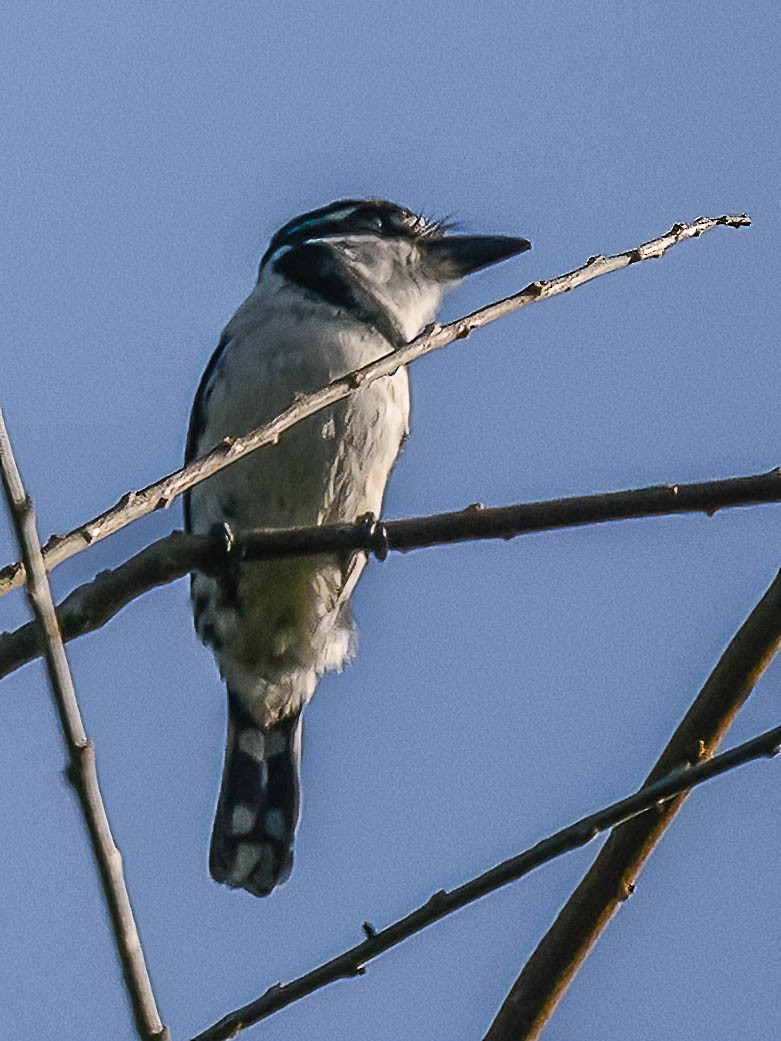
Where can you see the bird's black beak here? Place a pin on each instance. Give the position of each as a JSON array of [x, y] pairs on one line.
[[455, 256]]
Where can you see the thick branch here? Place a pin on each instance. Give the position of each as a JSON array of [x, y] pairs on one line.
[[81, 769], [352, 962], [611, 878], [95, 603], [163, 492]]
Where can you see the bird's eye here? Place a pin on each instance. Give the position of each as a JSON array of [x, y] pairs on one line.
[[379, 224]]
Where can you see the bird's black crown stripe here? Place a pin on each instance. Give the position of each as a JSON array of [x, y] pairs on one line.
[[352, 217]]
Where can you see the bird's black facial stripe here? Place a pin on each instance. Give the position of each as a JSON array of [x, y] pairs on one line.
[[316, 267], [350, 217]]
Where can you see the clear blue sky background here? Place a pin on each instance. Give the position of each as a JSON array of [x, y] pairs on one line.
[[149, 151]]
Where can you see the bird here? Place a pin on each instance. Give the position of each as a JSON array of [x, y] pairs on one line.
[[338, 287]]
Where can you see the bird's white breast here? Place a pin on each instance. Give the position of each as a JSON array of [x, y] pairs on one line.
[[289, 623]]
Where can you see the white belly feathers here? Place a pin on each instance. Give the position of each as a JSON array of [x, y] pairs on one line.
[[276, 626]]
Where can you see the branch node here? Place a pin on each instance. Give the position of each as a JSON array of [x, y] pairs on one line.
[[164, 500], [81, 760], [369, 929], [437, 900]]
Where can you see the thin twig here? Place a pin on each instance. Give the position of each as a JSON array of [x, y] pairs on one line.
[[611, 878], [352, 962], [81, 768], [95, 603], [162, 493]]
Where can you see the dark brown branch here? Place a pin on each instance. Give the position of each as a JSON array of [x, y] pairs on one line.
[[94, 603], [160, 494], [81, 768], [352, 962], [611, 879]]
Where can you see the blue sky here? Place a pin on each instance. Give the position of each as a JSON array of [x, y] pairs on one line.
[[150, 150]]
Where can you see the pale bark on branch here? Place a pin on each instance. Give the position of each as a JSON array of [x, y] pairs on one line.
[[161, 493], [611, 878], [93, 604], [81, 767]]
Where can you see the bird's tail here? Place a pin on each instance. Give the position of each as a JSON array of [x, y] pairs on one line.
[[252, 841]]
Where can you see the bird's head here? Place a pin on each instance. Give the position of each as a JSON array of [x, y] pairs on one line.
[[361, 254]]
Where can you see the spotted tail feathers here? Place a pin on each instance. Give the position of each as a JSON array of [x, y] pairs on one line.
[[252, 840]]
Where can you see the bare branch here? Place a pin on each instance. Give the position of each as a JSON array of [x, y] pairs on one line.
[[95, 603], [162, 493], [353, 962], [81, 768], [91, 605], [611, 878]]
